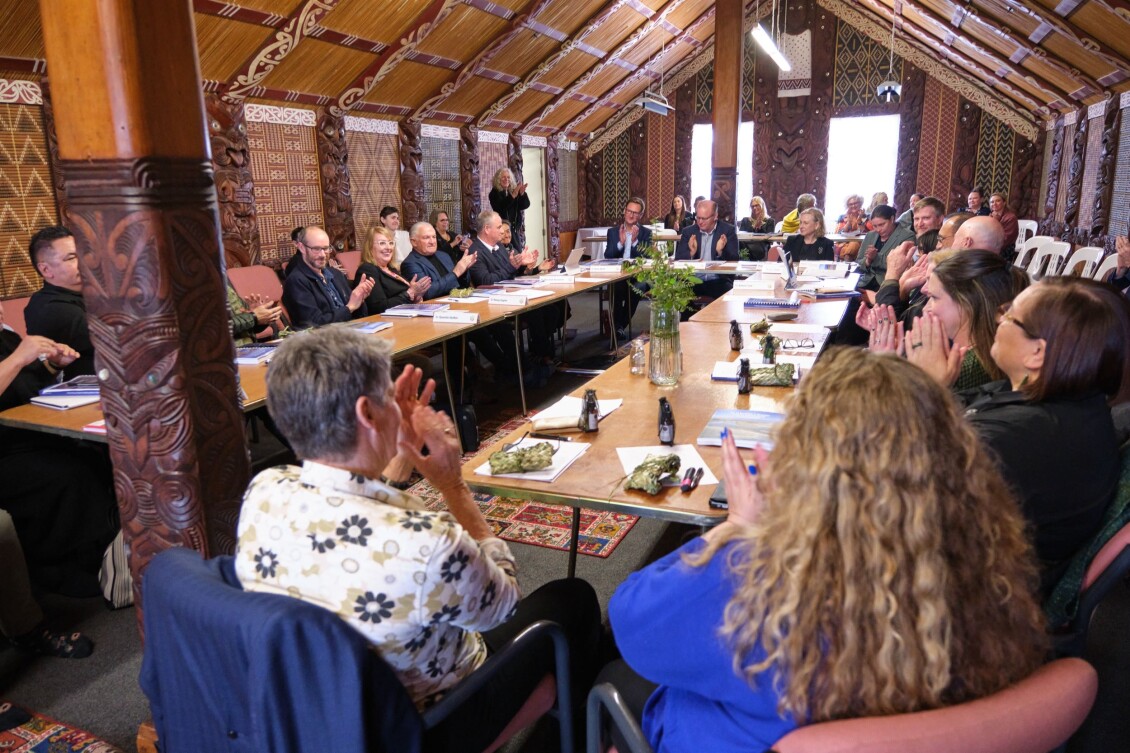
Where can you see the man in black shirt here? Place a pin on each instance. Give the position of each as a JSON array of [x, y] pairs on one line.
[[56, 311]]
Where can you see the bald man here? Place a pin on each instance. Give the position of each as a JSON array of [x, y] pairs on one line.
[[982, 232]]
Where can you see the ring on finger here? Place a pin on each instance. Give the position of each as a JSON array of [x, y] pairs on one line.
[[916, 345]]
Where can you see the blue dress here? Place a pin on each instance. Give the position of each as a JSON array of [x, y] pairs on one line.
[[666, 619]]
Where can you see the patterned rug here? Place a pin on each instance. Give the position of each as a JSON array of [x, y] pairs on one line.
[[536, 523], [42, 734]]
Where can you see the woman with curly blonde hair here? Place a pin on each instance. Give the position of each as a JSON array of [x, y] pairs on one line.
[[870, 568]]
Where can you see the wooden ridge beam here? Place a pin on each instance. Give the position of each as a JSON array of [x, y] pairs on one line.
[[610, 58], [706, 16], [280, 44], [477, 64], [428, 19], [546, 65]]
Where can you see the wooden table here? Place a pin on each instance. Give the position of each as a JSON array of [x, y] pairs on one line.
[[594, 480], [827, 313]]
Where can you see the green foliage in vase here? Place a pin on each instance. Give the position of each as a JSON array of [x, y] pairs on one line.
[[668, 286]]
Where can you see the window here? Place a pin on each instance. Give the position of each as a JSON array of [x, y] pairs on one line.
[[702, 145], [861, 160]]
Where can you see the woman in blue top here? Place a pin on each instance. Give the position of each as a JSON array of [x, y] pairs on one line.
[[871, 568]]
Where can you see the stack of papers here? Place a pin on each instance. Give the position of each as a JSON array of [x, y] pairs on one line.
[[82, 390], [749, 427], [253, 355], [370, 327], [564, 455], [414, 309]]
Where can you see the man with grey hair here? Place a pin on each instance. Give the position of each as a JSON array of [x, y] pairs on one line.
[[423, 261], [341, 532], [496, 262]]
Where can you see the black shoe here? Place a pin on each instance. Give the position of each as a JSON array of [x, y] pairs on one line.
[[621, 334], [46, 642]]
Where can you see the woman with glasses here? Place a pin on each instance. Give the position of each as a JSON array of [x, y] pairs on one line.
[[855, 575], [1062, 347]]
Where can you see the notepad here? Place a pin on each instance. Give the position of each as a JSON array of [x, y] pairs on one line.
[[749, 427], [64, 402]]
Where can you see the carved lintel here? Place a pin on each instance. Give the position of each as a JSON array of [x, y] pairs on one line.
[[1108, 160], [413, 208], [149, 249], [235, 190], [965, 152], [910, 133], [58, 179], [553, 201], [333, 171], [469, 177], [723, 189]]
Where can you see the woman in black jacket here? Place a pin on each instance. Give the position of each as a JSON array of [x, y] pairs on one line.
[[389, 288], [509, 199]]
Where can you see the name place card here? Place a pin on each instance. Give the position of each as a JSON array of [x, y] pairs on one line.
[[508, 299], [454, 316]]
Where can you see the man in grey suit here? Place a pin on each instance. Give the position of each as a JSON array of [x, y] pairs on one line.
[[709, 239]]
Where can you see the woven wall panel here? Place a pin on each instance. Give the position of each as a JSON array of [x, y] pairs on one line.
[[660, 164], [1090, 172], [1120, 199], [861, 65], [617, 167], [749, 74], [567, 174], [939, 132], [27, 200], [441, 179], [288, 194], [374, 176], [1064, 171], [704, 91], [492, 158], [994, 156]]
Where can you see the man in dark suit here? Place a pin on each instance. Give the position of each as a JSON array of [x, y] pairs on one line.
[[709, 239], [497, 263], [315, 293], [57, 311], [423, 261], [626, 241]]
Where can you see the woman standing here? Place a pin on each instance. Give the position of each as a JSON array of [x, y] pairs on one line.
[[856, 574], [809, 244], [389, 288], [510, 200]]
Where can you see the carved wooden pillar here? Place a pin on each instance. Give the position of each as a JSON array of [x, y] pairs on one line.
[[727, 105], [594, 189], [235, 190], [684, 135], [412, 205], [58, 180], [1100, 218], [965, 152], [637, 162], [1054, 165], [1070, 229], [1024, 198], [817, 131], [552, 200], [130, 121], [514, 162], [333, 170], [910, 132], [469, 178]]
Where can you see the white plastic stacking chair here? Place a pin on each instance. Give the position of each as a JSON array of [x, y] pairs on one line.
[[1107, 268], [1049, 259], [1027, 230], [1088, 256], [1027, 250]]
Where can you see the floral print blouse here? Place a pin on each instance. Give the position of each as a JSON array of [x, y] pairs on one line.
[[411, 581]]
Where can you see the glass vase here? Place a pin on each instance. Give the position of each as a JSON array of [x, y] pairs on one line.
[[665, 362]]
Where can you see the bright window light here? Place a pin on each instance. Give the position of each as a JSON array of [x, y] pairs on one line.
[[744, 194], [702, 145], [862, 153]]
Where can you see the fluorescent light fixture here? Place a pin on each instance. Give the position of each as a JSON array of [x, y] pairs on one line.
[[767, 45]]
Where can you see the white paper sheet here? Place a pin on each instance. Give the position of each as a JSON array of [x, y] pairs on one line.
[[630, 457], [566, 453], [570, 407]]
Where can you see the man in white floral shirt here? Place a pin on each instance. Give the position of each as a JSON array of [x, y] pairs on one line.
[[420, 585]]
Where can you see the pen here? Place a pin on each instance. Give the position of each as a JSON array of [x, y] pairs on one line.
[[538, 435], [697, 477], [687, 483]]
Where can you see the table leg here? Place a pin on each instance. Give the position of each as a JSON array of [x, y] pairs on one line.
[[518, 358], [575, 535], [451, 395], [612, 315]]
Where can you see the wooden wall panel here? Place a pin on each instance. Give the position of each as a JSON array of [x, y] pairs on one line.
[[288, 194], [660, 163], [1101, 210], [235, 186], [964, 153], [413, 199], [333, 169], [469, 178], [552, 200], [910, 133], [594, 189], [1119, 222], [1075, 172], [684, 132], [1055, 164], [938, 134], [27, 195], [374, 176], [1024, 197], [638, 147]]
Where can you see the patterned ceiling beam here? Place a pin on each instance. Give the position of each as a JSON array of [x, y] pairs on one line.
[[477, 64], [969, 86], [1067, 7], [23, 65], [942, 27], [346, 40], [1034, 12], [546, 31], [493, 75], [930, 41], [613, 57], [548, 64], [425, 58], [492, 8], [264, 60], [238, 13], [431, 17], [380, 109], [706, 17], [287, 95]]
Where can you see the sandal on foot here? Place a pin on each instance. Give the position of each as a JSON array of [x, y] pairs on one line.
[[45, 642]]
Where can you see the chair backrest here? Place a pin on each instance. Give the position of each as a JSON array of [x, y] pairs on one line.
[[227, 669], [256, 279], [1105, 270], [777, 228], [1026, 250], [1027, 229], [1049, 259], [14, 314], [1088, 257], [351, 260], [1036, 714]]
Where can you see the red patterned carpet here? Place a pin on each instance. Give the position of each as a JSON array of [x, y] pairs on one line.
[[537, 523], [42, 734]]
